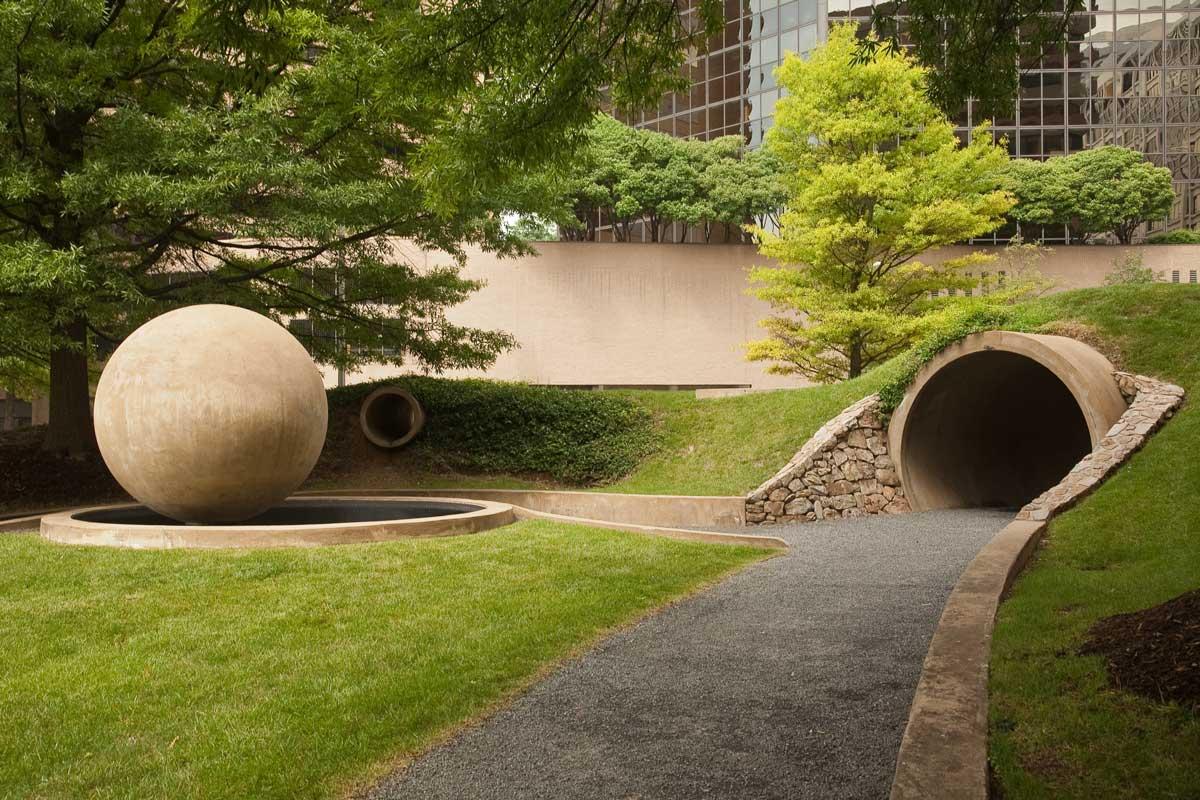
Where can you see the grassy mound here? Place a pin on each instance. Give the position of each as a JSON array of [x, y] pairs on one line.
[[293, 673], [1058, 730], [728, 446]]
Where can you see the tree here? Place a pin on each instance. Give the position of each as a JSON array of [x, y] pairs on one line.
[[594, 182], [532, 228], [263, 153], [874, 176], [693, 206], [975, 49], [629, 175], [744, 188], [660, 178], [1105, 190]]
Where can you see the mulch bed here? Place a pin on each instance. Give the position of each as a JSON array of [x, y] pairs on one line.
[[33, 480], [1155, 652]]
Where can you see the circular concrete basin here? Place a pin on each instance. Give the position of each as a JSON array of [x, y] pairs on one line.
[[297, 522], [1000, 417]]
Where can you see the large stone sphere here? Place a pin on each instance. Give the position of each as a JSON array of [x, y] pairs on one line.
[[210, 413]]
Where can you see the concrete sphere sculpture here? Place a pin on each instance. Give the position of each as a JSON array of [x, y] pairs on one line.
[[210, 414]]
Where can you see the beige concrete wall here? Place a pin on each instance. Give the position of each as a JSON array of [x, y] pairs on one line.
[[617, 314], [1081, 266], [665, 315]]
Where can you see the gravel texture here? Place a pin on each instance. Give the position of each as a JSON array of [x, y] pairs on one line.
[[791, 679]]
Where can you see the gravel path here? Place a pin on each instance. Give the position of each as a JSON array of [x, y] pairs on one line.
[[791, 679]]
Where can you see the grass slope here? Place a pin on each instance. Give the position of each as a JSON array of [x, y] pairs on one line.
[[728, 446], [1057, 729], [294, 673]]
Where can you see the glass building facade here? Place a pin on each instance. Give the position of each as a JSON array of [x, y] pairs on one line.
[[1129, 74]]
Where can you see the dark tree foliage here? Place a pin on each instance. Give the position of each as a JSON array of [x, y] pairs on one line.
[[270, 153], [974, 49]]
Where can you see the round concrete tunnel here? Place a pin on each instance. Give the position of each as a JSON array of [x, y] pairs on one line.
[[1000, 417], [390, 417]]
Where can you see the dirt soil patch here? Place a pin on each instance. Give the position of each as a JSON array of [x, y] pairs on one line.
[[1155, 652], [31, 480]]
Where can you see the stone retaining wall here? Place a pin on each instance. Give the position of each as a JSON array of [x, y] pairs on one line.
[[1151, 403], [843, 471]]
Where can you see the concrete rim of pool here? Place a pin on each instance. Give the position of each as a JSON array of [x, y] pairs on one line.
[[335, 520]]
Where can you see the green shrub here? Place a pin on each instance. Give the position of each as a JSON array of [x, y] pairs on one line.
[[1181, 236], [1130, 269], [574, 436]]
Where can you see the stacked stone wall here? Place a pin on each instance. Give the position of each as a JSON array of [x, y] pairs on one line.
[[844, 470], [1151, 403]]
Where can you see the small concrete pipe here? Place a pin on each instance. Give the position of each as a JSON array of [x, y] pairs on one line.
[[391, 417]]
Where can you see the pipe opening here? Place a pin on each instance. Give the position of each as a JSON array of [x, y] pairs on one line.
[[992, 428], [390, 417]]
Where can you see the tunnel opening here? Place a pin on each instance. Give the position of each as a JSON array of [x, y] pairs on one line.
[[391, 417], [991, 429]]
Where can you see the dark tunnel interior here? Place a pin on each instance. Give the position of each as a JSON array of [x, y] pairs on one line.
[[991, 429]]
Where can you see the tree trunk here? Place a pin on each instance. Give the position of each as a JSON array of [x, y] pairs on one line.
[[856, 358], [71, 431]]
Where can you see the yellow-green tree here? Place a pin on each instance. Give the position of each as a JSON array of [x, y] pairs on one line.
[[875, 176]]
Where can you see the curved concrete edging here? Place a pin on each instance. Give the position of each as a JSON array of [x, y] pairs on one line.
[[66, 529], [635, 513], [713, 537], [655, 510], [944, 750], [672, 516], [26, 523], [943, 753]]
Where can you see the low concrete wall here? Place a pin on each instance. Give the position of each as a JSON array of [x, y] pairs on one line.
[[657, 510], [624, 314], [943, 754]]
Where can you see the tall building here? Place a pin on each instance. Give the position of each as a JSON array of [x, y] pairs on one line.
[[1128, 75]]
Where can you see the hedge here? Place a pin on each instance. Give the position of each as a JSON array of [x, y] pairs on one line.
[[573, 436]]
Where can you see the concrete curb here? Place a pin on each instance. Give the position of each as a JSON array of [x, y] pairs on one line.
[[709, 512], [745, 539], [654, 510], [29, 523], [944, 752], [943, 755]]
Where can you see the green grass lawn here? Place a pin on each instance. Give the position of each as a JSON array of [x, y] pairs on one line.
[[1057, 729], [295, 673]]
